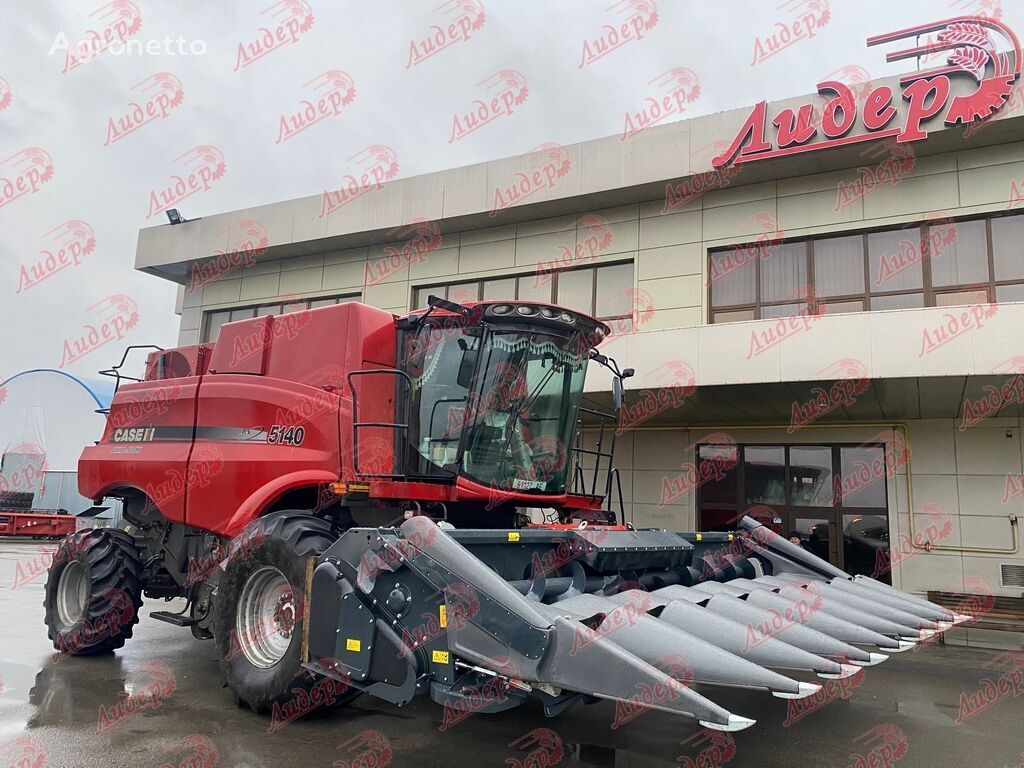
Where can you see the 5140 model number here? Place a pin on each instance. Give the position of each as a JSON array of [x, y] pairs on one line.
[[281, 434]]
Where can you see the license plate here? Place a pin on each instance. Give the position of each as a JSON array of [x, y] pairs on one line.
[[528, 485]]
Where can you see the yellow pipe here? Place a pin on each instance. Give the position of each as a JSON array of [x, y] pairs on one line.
[[910, 477]]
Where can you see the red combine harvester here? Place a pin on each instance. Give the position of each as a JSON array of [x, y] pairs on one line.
[[407, 506]]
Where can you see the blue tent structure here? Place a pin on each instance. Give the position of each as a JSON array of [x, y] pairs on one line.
[[46, 417]]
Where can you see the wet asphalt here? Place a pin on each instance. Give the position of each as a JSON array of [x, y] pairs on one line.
[[159, 702]]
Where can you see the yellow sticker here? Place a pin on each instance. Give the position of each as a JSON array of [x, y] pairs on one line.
[[351, 644], [442, 611], [700, 537], [513, 535], [441, 657]]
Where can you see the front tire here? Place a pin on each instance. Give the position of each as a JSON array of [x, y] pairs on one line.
[[260, 613], [93, 592]]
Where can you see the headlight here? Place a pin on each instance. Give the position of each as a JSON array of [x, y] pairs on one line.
[[501, 309], [525, 309]]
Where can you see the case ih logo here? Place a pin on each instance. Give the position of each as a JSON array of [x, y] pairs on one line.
[[248, 240], [6, 94], [972, 53], [462, 19], [121, 20], [162, 93], [117, 313], [70, 242], [509, 90], [292, 19], [642, 18], [551, 162], [378, 163], [336, 89], [680, 86], [802, 19], [23, 173], [204, 164]]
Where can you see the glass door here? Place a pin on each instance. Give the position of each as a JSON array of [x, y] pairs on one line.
[[832, 497], [817, 534]]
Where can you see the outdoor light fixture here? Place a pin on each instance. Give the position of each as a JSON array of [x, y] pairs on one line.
[[174, 217]]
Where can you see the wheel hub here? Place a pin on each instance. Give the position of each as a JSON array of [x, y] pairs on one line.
[[266, 617], [72, 593]]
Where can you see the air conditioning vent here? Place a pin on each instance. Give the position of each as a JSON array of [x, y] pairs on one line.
[[1011, 575]]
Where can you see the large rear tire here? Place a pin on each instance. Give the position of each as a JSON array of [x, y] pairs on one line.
[[93, 592], [260, 612]]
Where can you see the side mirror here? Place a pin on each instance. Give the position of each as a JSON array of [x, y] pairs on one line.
[[617, 392]]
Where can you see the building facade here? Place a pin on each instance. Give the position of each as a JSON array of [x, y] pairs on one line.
[[828, 337]]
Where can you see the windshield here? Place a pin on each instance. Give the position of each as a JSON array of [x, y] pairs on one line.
[[508, 400]]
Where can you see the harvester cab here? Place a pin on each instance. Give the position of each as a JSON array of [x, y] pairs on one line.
[[489, 397]]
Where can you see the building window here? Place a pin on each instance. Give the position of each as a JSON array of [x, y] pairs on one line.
[[833, 497], [212, 321], [934, 264], [604, 292]]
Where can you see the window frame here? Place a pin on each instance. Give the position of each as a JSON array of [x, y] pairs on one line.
[[928, 290], [207, 315], [835, 511], [517, 276]]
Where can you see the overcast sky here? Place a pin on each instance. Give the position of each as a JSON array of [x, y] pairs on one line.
[[105, 179]]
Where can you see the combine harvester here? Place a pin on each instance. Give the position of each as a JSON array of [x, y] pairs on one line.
[[402, 505]]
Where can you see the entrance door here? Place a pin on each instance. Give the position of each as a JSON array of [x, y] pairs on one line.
[[832, 496]]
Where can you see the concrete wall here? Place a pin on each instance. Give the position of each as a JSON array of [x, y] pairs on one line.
[[669, 249]]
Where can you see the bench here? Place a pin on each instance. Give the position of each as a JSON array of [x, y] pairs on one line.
[[989, 611]]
